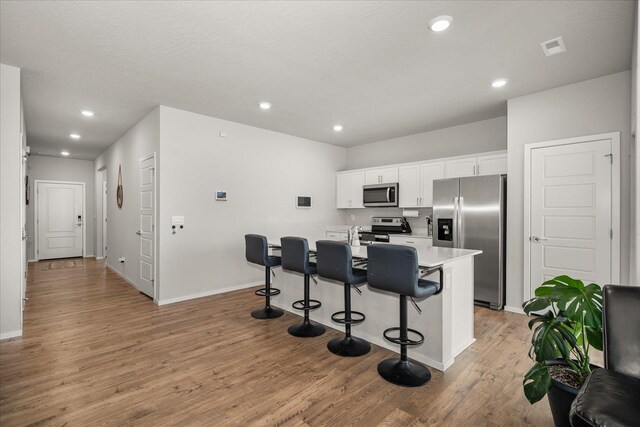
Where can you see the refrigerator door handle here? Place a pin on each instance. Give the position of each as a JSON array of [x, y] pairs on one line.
[[455, 222], [460, 222]]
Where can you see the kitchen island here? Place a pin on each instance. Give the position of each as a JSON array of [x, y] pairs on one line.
[[446, 319]]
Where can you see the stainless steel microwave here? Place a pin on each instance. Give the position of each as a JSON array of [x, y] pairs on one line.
[[380, 195]]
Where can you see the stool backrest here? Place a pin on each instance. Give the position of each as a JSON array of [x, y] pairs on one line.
[[334, 260], [622, 329], [393, 268], [256, 249], [295, 254]]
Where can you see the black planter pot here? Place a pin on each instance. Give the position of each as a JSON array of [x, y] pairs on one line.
[[561, 397]]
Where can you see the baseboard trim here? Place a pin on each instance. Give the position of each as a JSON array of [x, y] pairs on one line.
[[207, 293], [99, 257], [516, 310], [88, 256], [122, 276], [32, 260], [9, 335]]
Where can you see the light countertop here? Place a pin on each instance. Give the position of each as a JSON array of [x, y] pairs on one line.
[[428, 256]]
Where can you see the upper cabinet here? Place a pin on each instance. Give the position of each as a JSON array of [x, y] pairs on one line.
[[416, 184], [460, 167], [381, 176], [415, 180], [349, 190], [492, 165]]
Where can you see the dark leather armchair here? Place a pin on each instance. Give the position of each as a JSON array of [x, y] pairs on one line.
[[611, 396]]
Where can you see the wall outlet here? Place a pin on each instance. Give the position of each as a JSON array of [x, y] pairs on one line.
[[352, 217], [121, 259]]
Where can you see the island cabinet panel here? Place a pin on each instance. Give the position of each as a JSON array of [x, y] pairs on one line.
[[381, 176], [492, 165], [349, 190]]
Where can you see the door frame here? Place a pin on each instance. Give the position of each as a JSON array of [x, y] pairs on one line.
[[615, 201], [36, 219], [156, 283]]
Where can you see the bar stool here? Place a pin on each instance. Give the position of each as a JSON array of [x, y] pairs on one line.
[[257, 252], [394, 268], [335, 262], [295, 257]]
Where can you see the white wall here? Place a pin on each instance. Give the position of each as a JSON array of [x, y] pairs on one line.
[[59, 169], [11, 199], [591, 107], [470, 138], [140, 141], [635, 182], [261, 170]]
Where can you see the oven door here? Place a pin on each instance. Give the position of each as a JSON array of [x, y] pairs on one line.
[[380, 195]]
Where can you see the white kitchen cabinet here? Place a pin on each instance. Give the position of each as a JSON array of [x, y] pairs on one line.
[[409, 186], [349, 190], [492, 165], [429, 172], [460, 167], [416, 184], [381, 176]]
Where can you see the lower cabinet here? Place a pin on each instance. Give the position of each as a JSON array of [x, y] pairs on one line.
[[410, 240], [335, 235]]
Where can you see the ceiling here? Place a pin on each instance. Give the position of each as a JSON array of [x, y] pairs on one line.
[[373, 67]]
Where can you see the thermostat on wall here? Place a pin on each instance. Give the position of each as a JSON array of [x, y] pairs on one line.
[[303, 201], [221, 195]]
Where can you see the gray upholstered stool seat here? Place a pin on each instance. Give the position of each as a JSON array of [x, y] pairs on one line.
[[295, 257], [335, 262], [394, 268], [257, 252]]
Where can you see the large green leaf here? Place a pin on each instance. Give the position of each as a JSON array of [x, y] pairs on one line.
[[552, 337], [536, 304], [579, 303], [537, 382]]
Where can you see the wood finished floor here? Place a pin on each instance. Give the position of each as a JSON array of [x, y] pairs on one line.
[[97, 352]]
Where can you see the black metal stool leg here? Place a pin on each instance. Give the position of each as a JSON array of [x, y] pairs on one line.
[[267, 312], [307, 328], [348, 346], [403, 371]]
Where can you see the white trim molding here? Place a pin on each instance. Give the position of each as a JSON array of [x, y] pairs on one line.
[[208, 293], [11, 334], [615, 201], [511, 309]]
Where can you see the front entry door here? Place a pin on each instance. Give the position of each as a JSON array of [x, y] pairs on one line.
[[147, 227], [59, 220], [571, 220]]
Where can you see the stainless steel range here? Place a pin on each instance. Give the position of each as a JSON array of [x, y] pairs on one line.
[[382, 227]]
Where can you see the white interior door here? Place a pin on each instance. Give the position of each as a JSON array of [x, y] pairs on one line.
[[570, 212], [147, 226], [60, 220]]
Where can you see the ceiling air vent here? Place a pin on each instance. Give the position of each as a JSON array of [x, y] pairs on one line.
[[553, 46]]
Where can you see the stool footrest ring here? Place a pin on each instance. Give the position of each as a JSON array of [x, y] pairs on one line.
[[338, 317], [263, 292], [398, 340], [300, 305]]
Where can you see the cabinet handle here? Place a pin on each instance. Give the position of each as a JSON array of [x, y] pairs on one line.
[[418, 201]]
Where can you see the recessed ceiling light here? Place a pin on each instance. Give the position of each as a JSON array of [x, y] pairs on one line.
[[499, 83], [64, 153], [265, 105], [440, 23], [337, 128], [74, 136], [87, 113]]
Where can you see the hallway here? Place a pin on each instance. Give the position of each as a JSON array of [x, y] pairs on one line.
[[97, 352]]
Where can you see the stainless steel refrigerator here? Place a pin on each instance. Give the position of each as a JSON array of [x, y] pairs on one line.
[[470, 213]]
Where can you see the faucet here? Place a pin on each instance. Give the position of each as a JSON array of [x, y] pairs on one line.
[[352, 232]]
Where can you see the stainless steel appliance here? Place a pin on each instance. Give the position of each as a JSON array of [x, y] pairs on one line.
[[382, 227], [379, 195], [470, 213]]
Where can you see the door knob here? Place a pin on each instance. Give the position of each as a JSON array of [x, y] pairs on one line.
[[138, 233], [537, 239]]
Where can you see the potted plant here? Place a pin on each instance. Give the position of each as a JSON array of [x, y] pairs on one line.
[[570, 324]]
